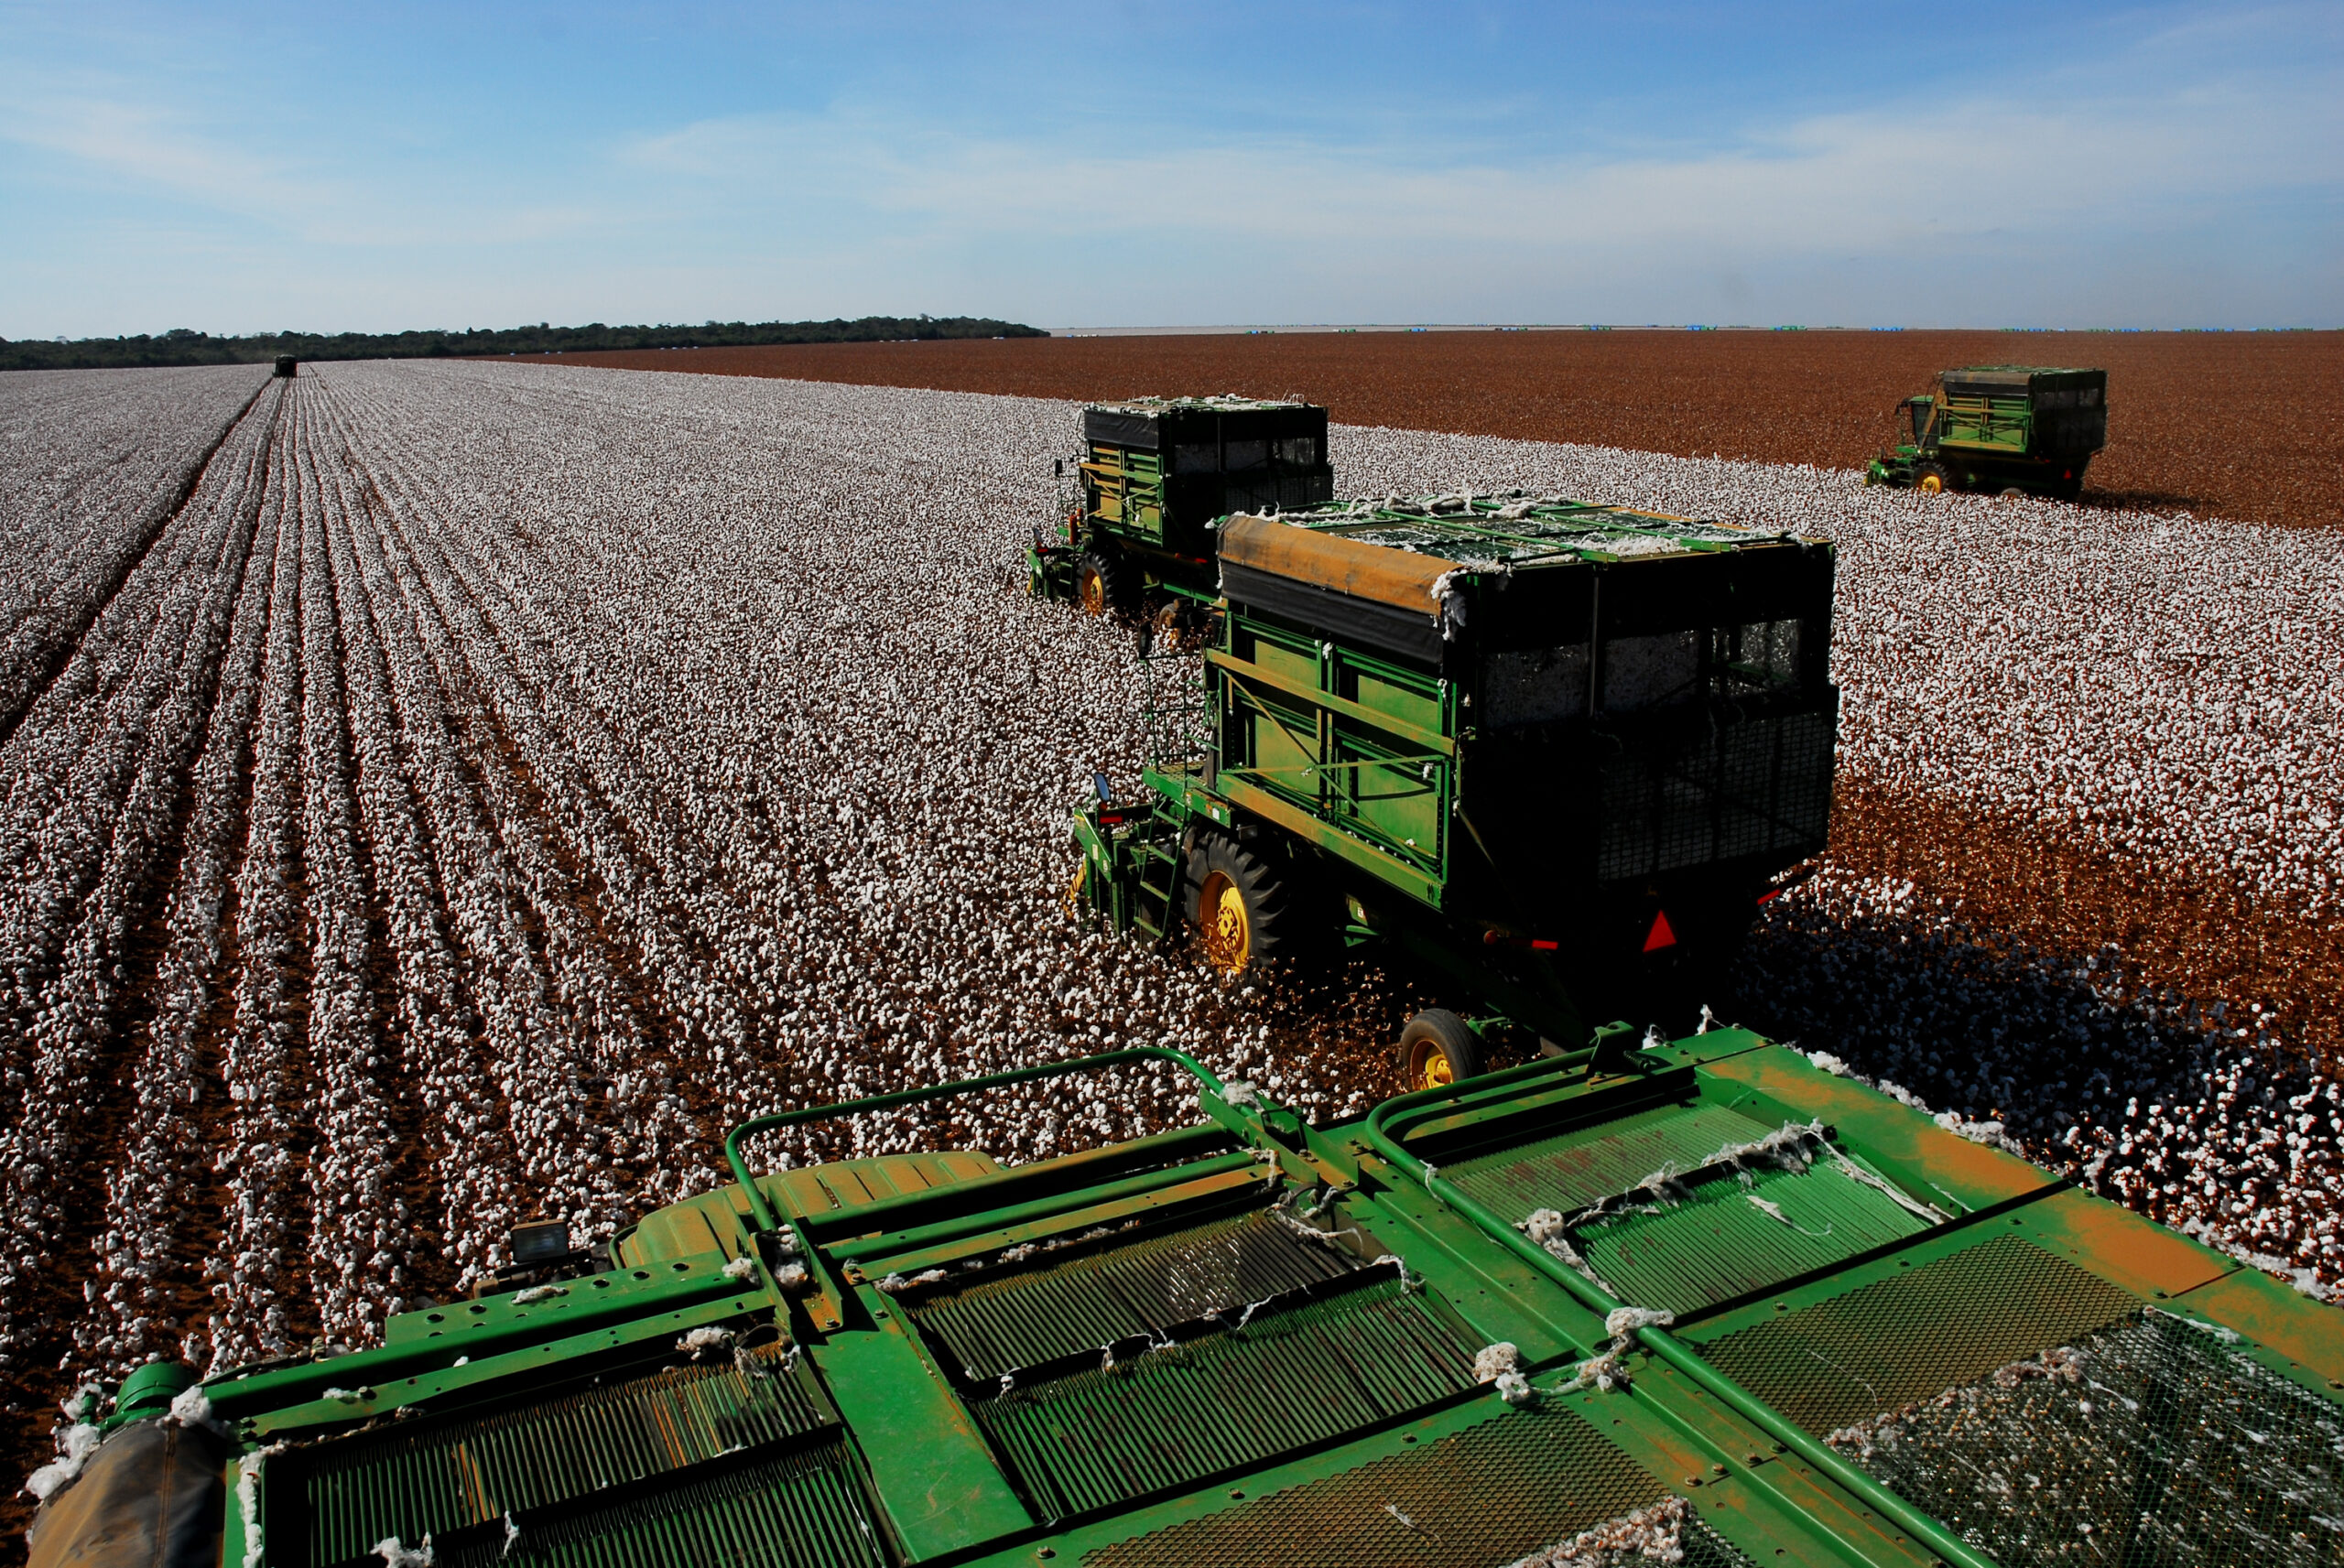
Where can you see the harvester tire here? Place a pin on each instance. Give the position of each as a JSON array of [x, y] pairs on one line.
[[1931, 479], [1099, 585], [1240, 904], [1438, 1047]]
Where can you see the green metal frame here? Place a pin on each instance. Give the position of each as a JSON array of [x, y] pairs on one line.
[[762, 1209]]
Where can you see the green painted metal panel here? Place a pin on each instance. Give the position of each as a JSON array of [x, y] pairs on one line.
[[1388, 793], [1412, 699], [488, 1326], [931, 1470]]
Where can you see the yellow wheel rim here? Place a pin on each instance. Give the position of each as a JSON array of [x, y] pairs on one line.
[[1430, 1066], [1094, 594], [1932, 483], [1227, 932]]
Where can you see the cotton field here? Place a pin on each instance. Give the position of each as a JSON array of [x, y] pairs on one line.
[[492, 781]]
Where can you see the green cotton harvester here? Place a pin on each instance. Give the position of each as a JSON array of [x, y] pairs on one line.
[[1553, 752], [1696, 1302], [1154, 473], [2010, 429]]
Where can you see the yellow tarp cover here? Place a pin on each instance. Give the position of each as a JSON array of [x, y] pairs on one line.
[[1377, 572]]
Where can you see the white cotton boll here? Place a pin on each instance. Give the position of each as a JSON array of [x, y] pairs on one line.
[[1491, 1361], [1515, 1388], [75, 1446], [741, 1269], [192, 1407], [1625, 1321], [397, 1555]]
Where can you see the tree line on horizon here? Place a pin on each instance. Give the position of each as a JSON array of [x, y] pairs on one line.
[[183, 346]]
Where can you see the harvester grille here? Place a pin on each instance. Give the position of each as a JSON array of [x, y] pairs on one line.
[[1312, 1373], [1918, 1334], [1000, 1323], [2149, 1444], [436, 1478], [1673, 1209], [796, 1510], [1495, 1492]]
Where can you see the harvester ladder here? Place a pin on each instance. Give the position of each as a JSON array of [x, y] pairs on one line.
[[1156, 865]]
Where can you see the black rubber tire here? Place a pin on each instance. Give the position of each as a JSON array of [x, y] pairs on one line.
[[1263, 888], [1923, 472], [1104, 571], [1436, 1033]]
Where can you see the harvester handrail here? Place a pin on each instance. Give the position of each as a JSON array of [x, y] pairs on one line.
[[1922, 1527], [768, 1220]]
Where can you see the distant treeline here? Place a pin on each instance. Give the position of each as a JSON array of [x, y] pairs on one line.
[[182, 347]]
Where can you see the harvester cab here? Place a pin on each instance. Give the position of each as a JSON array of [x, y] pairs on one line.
[[2008, 430], [1557, 753], [1153, 476]]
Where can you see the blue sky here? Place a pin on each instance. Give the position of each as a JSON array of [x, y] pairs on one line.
[[327, 167]]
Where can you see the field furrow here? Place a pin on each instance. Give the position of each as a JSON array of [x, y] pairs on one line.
[[166, 1190], [132, 713]]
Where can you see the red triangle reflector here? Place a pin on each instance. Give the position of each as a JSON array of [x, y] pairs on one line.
[[1661, 935]]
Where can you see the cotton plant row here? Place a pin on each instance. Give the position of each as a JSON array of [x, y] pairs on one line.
[[2163, 688], [90, 463], [92, 780]]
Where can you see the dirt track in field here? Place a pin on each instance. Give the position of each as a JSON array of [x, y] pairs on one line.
[[2246, 426]]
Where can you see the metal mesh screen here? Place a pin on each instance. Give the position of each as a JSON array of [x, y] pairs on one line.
[[1495, 1492], [1738, 1232], [1000, 1323], [2150, 1443], [1313, 1373], [796, 1510], [1761, 785], [1915, 1334], [1571, 1170], [433, 1478]]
